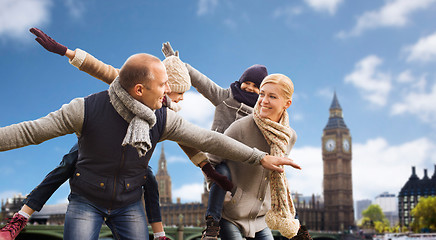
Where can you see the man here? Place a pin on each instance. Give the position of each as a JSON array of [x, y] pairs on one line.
[[118, 130]]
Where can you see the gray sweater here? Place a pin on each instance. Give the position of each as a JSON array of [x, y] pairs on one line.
[[69, 119], [252, 198], [227, 109]]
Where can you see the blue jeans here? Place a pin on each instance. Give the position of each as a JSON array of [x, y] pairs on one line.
[[83, 220], [229, 231], [217, 194]]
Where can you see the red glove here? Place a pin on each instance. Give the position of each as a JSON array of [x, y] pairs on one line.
[[219, 179], [48, 43]]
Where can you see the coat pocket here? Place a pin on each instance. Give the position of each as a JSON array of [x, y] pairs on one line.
[[90, 179], [133, 183]]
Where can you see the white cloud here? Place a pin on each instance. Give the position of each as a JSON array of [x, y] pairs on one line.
[[419, 103], [308, 181], [395, 13], [373, 84], [325, 93], [424, 50], [230, 23], [380, 167], [17, 16], [189, 192], [295, 116], [288, 13], [206, 6], [405, 77], [329, 6], [197, 109], [75, 8], [178, 159], [377, 167]]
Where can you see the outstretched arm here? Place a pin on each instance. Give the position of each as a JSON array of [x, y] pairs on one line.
[[82, 60], [209, 89], [179, 130], [68, 119]]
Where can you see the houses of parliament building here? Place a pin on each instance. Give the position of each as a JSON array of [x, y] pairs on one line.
[[333, 212]]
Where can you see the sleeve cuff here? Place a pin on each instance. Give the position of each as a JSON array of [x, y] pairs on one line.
[[198, 158], [256, 157], [78, 59]]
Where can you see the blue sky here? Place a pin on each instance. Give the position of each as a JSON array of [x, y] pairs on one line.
[[378, 56]]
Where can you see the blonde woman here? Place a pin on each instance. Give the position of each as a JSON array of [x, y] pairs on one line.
[[244, 215]]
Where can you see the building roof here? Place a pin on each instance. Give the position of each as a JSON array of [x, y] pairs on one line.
[[420, 187], [335, 103], [49, 210], [335, 120]]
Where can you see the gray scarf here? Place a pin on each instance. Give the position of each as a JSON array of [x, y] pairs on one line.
[[140, 118]]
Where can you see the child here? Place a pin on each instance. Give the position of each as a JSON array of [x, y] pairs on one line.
[[230, 105]]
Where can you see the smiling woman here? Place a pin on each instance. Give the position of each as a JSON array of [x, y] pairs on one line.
[[261, 199]]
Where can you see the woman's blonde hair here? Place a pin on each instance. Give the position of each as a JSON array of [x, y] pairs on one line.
[[286, 84]]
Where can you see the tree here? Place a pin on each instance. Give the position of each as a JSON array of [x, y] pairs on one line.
[[374, 218], [424, 214]]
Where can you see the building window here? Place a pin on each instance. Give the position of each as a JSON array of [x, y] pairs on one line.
[[411, 198]]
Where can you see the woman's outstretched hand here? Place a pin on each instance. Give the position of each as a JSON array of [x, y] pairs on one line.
[[48, 43], [274, 163]]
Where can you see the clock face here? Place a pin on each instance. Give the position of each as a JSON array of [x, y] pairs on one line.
[[330, 145], [346, 145]]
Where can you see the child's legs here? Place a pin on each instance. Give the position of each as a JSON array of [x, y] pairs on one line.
[[217, 194], [229, 231], [151, 198], [40, 195]]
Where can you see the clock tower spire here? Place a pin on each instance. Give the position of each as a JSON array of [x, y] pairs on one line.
[[337, 184], [164, 180]]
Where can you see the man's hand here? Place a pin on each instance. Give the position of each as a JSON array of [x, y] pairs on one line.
[[167, 50], [48, 43], [274, 163]]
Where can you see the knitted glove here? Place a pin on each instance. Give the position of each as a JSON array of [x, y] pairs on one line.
[[219, 179], [48, 43], [167, 50]]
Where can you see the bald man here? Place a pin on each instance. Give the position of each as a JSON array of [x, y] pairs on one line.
[[117, 131]]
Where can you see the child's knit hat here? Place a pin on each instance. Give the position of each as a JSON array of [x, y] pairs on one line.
[[255, 74], [178, 75]]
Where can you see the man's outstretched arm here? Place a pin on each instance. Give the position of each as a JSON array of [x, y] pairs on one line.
[[181, 131], [68, 119]]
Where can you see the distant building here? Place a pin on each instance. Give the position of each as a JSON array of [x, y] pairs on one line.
[[50, 215], [337, 180], [411, 192], [389, 205], [361, 205], [10, 206], [186, 214]]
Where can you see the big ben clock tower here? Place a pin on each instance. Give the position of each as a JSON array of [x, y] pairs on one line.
[[337, 184]]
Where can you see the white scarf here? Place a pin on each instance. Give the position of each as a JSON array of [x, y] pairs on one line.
[[140, 118], [281, 216]]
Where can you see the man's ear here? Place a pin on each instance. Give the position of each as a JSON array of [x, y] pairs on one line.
[[138, 90]]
